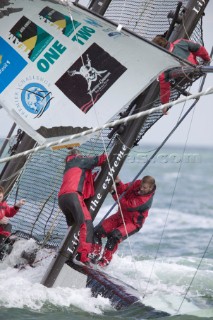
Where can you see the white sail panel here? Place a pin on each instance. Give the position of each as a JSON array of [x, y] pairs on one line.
[[63, 70]]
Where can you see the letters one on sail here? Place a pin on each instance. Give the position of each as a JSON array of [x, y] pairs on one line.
[[63, 70]]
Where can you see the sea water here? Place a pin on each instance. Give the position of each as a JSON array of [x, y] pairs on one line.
[[170, 261]]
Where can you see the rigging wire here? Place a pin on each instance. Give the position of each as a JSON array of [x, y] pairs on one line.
[[103, 142], [108, 125], [195, 273], [79, 48], [191, 108], [91, 95], [153, 155], [90, 91], [110, 168], [170, 205], [105, 150], [149, 160], [145, 7]]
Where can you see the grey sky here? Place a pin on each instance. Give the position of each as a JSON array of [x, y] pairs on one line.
[[200, 132]]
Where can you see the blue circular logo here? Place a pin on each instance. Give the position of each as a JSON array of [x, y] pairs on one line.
[[36, 98]]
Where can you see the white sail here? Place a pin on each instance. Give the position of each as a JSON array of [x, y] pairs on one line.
[[62, 67]]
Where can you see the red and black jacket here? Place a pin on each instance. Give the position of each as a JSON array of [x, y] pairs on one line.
[[133, 204], [184, 49], [78, 174], [6, 211]]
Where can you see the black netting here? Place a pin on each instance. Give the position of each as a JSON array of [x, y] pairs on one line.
[[41, 178], [39, 184], [146, 18]]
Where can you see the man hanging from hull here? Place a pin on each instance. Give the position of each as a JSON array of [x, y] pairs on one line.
[[128, 220], [185, 49]]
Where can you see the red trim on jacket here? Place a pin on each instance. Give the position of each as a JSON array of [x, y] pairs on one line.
[[79, 178], [132, 199], [6, 211], [187, 50]]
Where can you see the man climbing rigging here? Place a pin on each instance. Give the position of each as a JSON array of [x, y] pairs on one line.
[[185, 49], [77, 185], [128, 220]]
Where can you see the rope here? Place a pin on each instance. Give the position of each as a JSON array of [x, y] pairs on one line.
[[196, 271], [143, 168], [170, 205], [90, 92], [108, 125], [192, 107], [144, 7], [104, 145], [152, 156]]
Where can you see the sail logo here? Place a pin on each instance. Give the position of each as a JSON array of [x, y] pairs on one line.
[[83, 35], [84, 84], [11, 64], [88, 72], [29, 38], [49, 58], [59, 21], [36, 99]]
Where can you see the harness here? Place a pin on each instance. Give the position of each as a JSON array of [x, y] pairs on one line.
[[142, 208]]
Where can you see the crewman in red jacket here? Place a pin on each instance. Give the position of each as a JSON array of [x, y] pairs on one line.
[[7, 212], [128, 220], [185, 49], [77, 185]]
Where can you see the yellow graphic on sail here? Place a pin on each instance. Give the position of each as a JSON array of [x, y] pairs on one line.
[[30, 43], [60, 23]]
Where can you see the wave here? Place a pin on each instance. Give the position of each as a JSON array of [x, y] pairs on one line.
[[162, 284]]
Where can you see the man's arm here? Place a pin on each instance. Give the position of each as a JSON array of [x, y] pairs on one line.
[[199, 51], [11, 211]]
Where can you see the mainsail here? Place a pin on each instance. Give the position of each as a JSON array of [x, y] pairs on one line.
[[64, 70], [44, 170]]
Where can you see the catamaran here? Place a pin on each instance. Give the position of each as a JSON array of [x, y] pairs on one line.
[[83, 77]]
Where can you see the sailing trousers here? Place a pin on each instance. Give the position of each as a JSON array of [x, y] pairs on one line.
[[75, 211], [116, 231]]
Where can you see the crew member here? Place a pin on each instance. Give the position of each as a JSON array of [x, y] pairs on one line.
[[185, 49], [6, 212], [128, 220], [77, 185]]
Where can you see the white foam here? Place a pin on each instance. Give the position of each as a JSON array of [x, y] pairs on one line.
[[162, 283]]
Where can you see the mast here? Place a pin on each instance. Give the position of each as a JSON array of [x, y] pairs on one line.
[[189, 17], [121, 149]]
